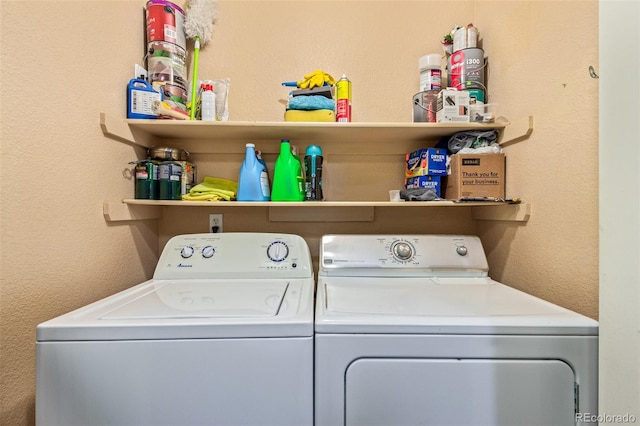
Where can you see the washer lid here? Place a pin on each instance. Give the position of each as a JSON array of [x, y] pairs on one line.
[[178, 309], [439, 305], [203, 299]]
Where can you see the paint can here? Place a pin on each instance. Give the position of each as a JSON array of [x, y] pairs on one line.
[[466, 69], [343, 100], [165, 22], [424, 106], [167, 63]]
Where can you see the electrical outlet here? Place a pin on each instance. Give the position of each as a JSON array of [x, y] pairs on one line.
[[215, 223]]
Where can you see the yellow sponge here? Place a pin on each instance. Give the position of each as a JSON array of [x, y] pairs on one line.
[[314, 115]]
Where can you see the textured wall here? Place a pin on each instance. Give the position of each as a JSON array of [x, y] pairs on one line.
[[64, 62]]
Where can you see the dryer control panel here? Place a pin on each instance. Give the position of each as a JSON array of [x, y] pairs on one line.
[[419, 255], [235, 255]]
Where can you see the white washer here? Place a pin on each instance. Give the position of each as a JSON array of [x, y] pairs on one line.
[[410, 330], [222, 335]]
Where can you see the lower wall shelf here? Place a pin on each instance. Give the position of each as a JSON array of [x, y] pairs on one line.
[[322, 211]]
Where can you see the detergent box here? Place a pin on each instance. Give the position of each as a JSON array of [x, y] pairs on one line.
[[476, 175], [428, 182], [426, 162]]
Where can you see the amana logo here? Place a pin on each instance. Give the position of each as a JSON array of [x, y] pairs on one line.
[[182, 265]]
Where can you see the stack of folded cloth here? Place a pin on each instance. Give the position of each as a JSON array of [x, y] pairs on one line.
[[213, 189], [315, 104]]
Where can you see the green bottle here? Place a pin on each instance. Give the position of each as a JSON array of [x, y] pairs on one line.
[[288, 182]]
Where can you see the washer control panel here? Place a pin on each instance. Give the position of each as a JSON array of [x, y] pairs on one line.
[[352, 254], [234, 255]]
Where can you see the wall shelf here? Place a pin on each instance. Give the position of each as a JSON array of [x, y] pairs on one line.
[[226, 137], [219, 137], [322, 211]]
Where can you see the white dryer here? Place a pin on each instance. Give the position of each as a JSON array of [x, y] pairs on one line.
[[222, 335], [410, 330]]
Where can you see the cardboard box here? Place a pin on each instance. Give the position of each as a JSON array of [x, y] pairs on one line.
[[433, 182], [476, 175], [427, 161], [452, 106]]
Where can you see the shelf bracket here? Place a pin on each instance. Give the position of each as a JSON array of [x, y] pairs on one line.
[[322, 214], [118, 212], [507, 212], [517, 131], [119, 130]]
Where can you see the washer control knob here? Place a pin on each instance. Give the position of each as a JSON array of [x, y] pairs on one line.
[[186, 252], [277, 251], [462, 250], [208, 252], [402, 250]]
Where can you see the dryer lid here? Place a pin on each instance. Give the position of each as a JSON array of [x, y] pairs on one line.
[[438, 305]]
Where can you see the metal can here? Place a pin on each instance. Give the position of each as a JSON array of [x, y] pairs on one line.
[[343, 100], [146, 180], [170, 180]]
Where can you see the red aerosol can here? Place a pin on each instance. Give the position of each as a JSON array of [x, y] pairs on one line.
[[343, 100]]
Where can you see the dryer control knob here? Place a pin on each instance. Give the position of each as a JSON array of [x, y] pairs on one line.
[[462, 250], [402, 250], [186, 252]]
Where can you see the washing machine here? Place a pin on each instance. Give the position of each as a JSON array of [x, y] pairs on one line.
[[221, 335], [411, 330]]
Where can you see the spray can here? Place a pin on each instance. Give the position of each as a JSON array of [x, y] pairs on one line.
[[253, 184], [343, 100], [313, 177]]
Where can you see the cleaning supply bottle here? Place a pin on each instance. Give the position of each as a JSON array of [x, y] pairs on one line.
[[313, 175], [288, 183], [208, 102], [253, 184]]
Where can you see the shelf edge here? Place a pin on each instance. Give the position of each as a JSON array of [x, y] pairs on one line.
[[506, 212]]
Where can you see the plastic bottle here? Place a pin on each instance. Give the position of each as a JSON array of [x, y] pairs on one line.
[[313, 176], [288, 183], [253, 184], [208, 99], [430, 72]]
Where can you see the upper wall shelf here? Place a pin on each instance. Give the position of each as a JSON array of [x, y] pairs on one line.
[[229, 136]]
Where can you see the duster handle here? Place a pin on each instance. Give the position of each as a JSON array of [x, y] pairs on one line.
[[194, 78]]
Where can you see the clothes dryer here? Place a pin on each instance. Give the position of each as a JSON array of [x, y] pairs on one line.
[[411, 330], [222, 335]]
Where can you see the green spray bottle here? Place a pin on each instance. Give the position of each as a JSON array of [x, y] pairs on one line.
[[288, 181]]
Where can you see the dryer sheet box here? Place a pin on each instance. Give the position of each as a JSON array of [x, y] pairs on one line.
[[476, 175], [426, 161], [425, 182]]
